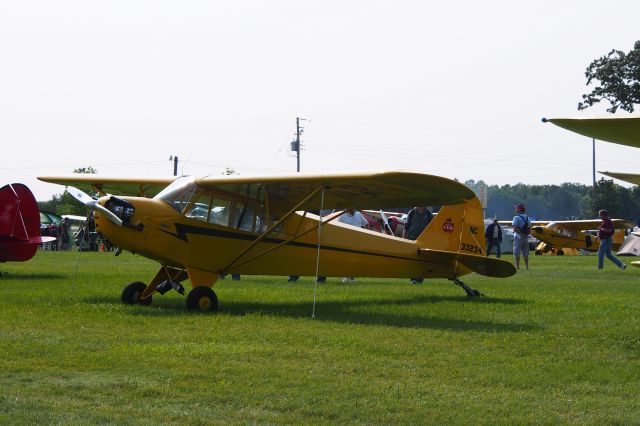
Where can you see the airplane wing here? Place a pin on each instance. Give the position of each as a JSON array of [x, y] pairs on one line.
[[577, 226], [627, 177], [623, 130], [140, 187], [359, 190], [48, 218], [531, 222]]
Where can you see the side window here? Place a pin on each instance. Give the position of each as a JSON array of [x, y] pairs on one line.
[[219, 211], [200, 208], [263, 224], [243, 218], [261, 219], [274, 218]]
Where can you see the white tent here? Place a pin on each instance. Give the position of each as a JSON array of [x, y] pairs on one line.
[[630, 246]]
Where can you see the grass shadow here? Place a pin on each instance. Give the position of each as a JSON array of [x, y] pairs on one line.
[[32, 276], [348, 312]]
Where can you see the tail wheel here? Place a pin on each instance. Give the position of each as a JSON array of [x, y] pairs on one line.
[[202, 299], [132, 292]]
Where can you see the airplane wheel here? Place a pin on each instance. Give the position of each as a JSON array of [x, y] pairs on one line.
[[202, 299], [560, 253], [131, 294]]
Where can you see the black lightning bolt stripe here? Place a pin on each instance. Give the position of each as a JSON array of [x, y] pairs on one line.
[[182, 231]]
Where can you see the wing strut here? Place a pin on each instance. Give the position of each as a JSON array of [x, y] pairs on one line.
[[295, 237], [320, 223], [262, 236]]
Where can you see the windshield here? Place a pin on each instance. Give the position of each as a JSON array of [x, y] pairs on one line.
[[178, 193]]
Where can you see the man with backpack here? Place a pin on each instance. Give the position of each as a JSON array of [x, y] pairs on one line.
[[521, 230]]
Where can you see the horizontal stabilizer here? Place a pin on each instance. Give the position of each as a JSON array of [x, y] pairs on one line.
[[40, 240], [487, 266]]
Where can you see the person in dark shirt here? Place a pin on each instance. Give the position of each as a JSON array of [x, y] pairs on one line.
[[417, 220], [493, 234], [605, 234]]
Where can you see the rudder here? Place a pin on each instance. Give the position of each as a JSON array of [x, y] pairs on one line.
[[456, 228]]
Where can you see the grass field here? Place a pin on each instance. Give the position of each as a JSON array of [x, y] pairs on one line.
[[557, 344]]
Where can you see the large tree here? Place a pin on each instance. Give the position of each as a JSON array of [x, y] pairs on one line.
[[606, 195], [618, 74]]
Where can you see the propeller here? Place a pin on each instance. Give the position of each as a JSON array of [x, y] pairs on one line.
[[92, 204]]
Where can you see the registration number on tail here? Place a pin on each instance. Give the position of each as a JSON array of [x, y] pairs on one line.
[[470, 248]]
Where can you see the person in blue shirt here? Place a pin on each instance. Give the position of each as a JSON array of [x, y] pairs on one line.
[[521, 230]]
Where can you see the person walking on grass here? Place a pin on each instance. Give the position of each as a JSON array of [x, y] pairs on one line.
[[605, 234]]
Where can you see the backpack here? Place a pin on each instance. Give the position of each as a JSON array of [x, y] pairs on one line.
[[526, 230]]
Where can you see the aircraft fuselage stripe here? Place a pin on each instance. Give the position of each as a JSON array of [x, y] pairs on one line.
[[183, 230]]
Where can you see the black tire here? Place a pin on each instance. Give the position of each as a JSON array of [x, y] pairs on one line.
[[560, 253], [202, 299], [131, 294]]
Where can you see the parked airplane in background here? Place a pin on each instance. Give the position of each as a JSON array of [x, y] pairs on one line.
[[201, 228], [575, 234], [391, 223], [19, 224]]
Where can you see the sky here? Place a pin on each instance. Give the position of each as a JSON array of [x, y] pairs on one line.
[[455, 89]]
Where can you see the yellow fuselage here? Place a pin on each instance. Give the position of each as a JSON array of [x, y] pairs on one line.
[[163, 234]]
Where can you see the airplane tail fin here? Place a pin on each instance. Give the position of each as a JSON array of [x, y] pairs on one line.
[[459, 230], [456, 228], [19, 222]]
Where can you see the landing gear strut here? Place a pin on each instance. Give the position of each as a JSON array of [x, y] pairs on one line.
[[470, 291], [165, 286]]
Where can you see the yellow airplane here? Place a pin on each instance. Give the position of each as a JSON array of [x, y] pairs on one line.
[[202, 228], [575, 234]]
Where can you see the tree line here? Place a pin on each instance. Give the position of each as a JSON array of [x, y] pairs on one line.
[[566, 201]]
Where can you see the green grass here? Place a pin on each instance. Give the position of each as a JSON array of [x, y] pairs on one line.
[[557, 344]]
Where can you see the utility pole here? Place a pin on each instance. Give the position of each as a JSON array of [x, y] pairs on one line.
[[175, 164], [594, 162], [295, 145]]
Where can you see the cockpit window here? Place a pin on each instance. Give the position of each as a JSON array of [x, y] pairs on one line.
[[179, 193], [219, 212], [198, 207]]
